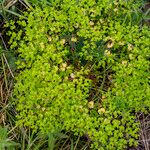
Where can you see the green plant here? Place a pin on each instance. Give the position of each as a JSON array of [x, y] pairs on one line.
[[59, 90], [70, 49], [131, 84], [9, 7], [115, 130], [4, 141]]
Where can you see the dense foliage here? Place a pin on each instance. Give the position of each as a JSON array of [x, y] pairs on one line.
[[71, 49]]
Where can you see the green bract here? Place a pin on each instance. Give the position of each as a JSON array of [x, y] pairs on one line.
[[72, 48]]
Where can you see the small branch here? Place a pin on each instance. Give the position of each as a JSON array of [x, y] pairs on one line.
[[3, 41], [11, 3], [8, 65]]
